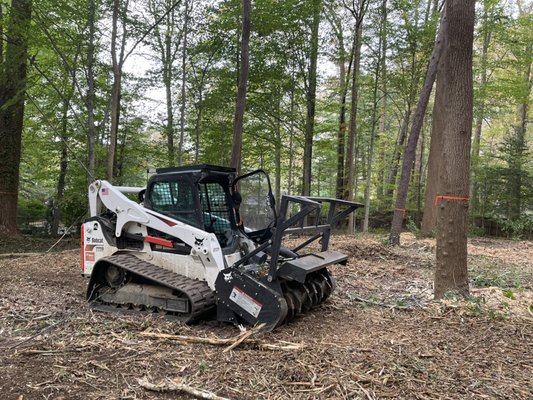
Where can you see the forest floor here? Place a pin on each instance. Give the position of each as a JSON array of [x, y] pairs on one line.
[[379, 336]]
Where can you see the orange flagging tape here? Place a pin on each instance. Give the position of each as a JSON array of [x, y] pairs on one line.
[[437, 198]]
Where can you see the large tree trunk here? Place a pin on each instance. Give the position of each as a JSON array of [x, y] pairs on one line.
[[410, 150], [241, 91], [12, 96], [311, 100], [456, 106]]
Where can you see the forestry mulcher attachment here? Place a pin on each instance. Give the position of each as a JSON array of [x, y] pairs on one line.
[[185, 251]]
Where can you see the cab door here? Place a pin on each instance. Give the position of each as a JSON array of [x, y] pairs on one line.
[[257, 208]]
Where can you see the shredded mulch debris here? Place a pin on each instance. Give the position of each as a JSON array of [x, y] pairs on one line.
[[380, 335]]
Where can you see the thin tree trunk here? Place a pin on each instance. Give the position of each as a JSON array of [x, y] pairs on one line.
[[12, 96], [241, 91], [374, 120], [115, 95], [91, 128], [311, 100], [451, 274], [352, 138], [63, 164], [518, 158], [487, 33], [277, 151], [1, 36], [183, 81], [341, 133], [410, 150], [291, 137], [383, 128], [397, 154], [420, 172]]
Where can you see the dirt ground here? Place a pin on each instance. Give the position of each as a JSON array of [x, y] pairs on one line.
[[379, 336]]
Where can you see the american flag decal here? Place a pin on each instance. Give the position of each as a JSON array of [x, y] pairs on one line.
[[104, 191]]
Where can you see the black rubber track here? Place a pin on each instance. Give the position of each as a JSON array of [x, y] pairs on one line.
[[201, 297]]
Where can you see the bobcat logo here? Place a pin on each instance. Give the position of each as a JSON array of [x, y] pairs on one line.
[[227, 277], [198, 242]]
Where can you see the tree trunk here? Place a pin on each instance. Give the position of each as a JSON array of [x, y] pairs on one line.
[[410, 150], [277, 150], [397, 154], [12, 96], [183, 81], [291, 137], [374, 113], [341, 133], [241, 91], [91, 128], [487, 33], [519, 145], [451, 273], [115, 96], [383, 128], [116, 89], [63, 164], [1, 36], [352, 138], [311, 100]]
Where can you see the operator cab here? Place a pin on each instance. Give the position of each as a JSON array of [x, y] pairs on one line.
[[211, 198]]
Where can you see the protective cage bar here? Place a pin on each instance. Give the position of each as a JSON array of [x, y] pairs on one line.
[[285, 226]]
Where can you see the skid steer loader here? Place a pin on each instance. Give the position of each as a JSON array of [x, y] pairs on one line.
[[200, 240]]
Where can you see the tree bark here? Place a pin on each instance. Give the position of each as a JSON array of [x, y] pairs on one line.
[[91, 127], [487, 33], [451, 273], [1, 36], [12, 96], [116, 87], [410, 150], [63, 164], [374, 113], [183, 81], [311, 100], [518, 143], [240, 105]]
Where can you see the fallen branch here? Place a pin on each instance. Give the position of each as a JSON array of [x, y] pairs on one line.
[[243, 336], [230, 342], [171, 385]]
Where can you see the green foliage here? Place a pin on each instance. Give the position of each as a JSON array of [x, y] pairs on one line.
[[518, 229], [496, 278], [275, 111]]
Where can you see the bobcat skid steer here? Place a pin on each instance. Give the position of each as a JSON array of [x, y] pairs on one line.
[[203, 241]]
